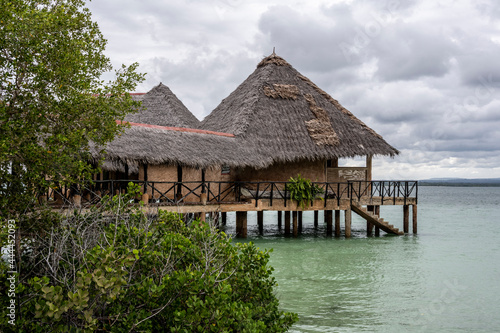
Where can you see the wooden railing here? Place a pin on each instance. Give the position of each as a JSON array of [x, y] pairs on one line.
[[174, 193]]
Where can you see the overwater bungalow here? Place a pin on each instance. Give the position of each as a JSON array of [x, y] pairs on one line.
[[275, 125]]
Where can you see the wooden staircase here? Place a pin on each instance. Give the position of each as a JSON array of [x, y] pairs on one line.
[[374, 219]]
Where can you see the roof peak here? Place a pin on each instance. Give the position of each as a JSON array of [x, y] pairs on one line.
[[273, 59]]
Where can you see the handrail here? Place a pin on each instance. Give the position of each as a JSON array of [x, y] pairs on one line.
[[238, 191]]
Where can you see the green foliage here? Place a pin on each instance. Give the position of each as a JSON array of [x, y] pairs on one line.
[[303, 190], [119, 269], [52, 101]]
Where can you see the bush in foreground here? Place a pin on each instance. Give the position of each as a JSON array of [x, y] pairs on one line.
[[116, 269]]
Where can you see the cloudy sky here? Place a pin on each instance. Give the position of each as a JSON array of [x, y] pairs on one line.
[[423, 74]]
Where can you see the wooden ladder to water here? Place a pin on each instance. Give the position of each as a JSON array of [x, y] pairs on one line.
[[374, 219]]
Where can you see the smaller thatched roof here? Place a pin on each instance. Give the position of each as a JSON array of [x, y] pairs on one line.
[[161, 107], [150, 144]]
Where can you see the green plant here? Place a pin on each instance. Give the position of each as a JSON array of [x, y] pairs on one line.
[[118, 269], [303, 190]]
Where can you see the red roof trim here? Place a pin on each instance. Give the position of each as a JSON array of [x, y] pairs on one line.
[[178, 129]]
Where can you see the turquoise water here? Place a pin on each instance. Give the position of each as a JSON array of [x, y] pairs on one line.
[[446, 279]]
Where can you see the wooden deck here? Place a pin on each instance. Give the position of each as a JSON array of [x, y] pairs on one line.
[[362, 197]]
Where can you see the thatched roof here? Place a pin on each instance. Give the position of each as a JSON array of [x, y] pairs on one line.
[[275, 115], [161, 107], [283, 117], [142, 143]]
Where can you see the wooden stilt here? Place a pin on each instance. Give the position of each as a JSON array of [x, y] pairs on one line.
[[337, 223], [260, 221], [369, 226], [300, 220], [295, 224], [203, 217], [329, 221], [287, 222], [280, 219], [377, 229], [348, 222], [406, 218], [224, 218], [316, 213], [241, 224], [414, 218]]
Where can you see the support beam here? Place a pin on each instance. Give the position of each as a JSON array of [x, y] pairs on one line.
[[337, 223], [377, 229], [287, 222], [369, 168], [203, 217], [295, 224], [203, 186], [316, 213], [260, 221], [348, 222], [406, 218], [414, 209], [224, 218], [179, 183], [328, 221], [241, 224], [300, 220], [369, 226], [280, 219]]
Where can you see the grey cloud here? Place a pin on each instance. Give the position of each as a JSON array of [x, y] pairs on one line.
[[418, 79]]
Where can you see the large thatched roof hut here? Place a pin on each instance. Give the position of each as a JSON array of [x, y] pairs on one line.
[[275, 125], [288, 118], [291, 123]]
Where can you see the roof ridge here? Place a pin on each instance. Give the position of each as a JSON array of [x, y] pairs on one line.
[[178, 129]]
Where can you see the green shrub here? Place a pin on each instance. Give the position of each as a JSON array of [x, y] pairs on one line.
[[118, 269], [303, 190]]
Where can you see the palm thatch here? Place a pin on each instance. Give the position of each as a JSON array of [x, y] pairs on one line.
[[155, 145], [283, 117], [161, 107]]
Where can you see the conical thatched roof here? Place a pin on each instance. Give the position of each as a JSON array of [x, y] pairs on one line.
[[283, 117], [161, 107]]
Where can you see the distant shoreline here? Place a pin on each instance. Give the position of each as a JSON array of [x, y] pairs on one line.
[[458, 182]]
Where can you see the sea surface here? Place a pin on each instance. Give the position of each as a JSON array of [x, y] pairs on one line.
[[445, 279]]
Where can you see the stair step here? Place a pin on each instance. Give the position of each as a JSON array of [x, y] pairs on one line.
[[377, 220]]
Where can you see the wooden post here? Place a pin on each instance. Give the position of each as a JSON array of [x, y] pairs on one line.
[[329, 221], [368, 168], [179, 183], [348, 222], [203, 216], [377, 213], [406, 218], [300, 220], [280, 218], [295, 226], [414, 209], [316, 213], [369, 226], [337, 223], [287, 222], [241, 224], [203, 198], [260, 221], [224, 218]]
